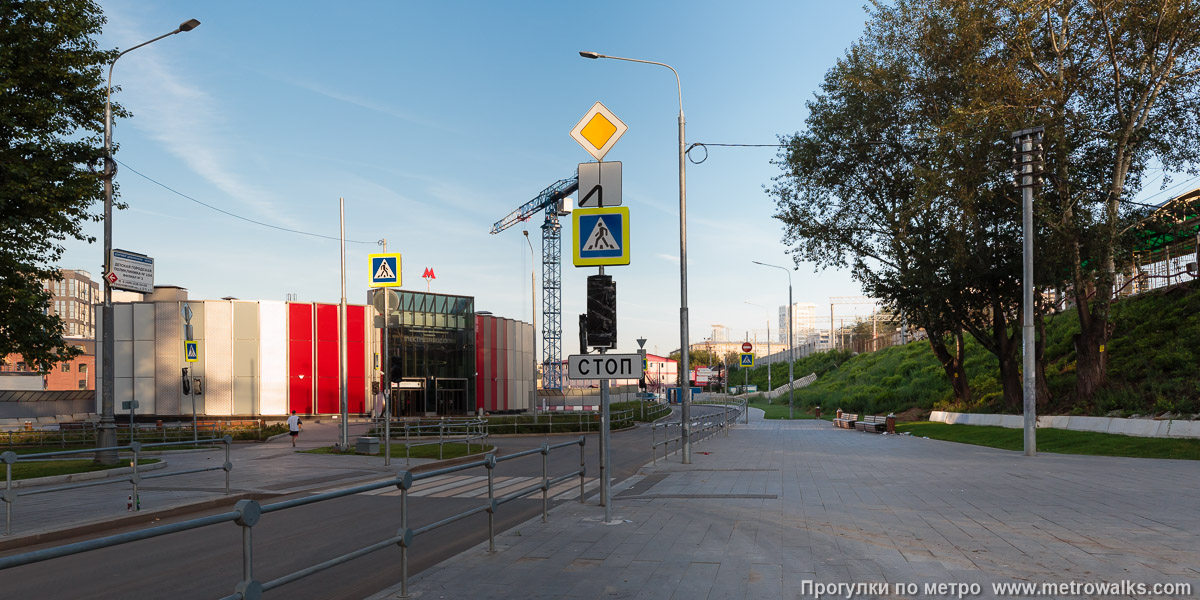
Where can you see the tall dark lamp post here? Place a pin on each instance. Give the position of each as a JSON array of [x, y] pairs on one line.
[[107, 435], [685, 385]]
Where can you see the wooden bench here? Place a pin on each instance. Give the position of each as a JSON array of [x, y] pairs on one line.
[[847, 421], [872, 423]]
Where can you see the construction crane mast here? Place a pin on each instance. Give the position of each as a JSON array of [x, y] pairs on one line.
[[551, 202]]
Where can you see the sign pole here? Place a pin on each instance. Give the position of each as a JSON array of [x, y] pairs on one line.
[[192, 393], [605, 423], [186, 311], [385, 381], [385, 273]]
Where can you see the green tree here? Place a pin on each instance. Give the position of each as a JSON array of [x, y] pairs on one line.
[[51, 143], [853, 194], [1118, 88]]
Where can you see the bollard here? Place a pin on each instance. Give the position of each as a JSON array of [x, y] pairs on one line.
[[582, 468], [839, 413], [490, 464], [8, 458], [228, 466], [891, 424], [135, 477], [545, 481], [818, 412]]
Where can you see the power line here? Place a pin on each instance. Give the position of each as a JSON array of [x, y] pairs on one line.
[[704, 146], [236, 216]]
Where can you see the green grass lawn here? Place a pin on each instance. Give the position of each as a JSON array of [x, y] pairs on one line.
[[779, 410], [32, 469], [449, 450], [1061, 441]]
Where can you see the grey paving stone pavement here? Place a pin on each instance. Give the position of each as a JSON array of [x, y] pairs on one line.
[[260, 470], [777, 508]]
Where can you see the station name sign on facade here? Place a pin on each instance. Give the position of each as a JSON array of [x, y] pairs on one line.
[[604, 366]]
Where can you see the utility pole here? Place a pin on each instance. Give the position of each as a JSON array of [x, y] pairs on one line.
[[345, 437], [1027, 159]]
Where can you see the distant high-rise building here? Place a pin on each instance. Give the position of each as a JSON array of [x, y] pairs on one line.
[[720, 333], [72, 299], [804, 321]]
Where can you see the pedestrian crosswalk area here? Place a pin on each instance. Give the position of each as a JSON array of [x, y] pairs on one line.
[[476, 486]]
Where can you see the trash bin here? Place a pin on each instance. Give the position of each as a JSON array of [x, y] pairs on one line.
[[366, 445]]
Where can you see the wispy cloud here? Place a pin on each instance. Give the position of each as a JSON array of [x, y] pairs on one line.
[[669, 257], [185, 120], [367, 104]]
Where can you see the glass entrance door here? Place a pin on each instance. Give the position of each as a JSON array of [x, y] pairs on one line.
[[452, 396], [409, 398]]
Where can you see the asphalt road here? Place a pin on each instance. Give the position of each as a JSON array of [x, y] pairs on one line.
[[207, 563]]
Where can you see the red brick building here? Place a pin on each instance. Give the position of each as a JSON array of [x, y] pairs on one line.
[[77, 374]]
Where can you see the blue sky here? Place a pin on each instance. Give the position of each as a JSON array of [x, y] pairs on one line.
[[436, 119]]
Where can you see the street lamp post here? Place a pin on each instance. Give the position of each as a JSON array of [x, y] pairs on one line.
[[533, 315], [107, 434], [685, 386], [791, 344]]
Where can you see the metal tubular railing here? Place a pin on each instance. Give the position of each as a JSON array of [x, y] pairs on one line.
[[247, 513], [700, 430], [9, 458], [446, 432], [85, 434], [544, 422]]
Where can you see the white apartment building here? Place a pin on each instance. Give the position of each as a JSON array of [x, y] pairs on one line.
[[804, 321]]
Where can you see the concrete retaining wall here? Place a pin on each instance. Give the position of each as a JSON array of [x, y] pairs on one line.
[[30, 405], [1135, 427]]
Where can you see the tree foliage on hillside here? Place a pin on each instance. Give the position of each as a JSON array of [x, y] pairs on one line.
[[903, 171], [51, 137]]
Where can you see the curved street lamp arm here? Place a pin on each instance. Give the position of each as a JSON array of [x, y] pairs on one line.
[[678, 85]]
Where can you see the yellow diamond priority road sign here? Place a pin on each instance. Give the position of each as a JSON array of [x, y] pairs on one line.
[[598, 131]]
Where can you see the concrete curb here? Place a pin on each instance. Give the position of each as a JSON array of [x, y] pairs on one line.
[[102, 525], [133, 519], [89, 476]]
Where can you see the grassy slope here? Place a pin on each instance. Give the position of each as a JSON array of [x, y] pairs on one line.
[[1154, 366], [1059, 441]]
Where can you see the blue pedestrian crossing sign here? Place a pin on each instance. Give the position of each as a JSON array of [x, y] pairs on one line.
[[600, 236], [385, 270], [191, 351], [747, 359]]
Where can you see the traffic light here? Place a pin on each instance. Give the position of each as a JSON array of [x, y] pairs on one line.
[[583, 336], [601, 311], [395, 369]]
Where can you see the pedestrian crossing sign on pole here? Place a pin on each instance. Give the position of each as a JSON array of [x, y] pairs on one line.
[[600, 236], [191, 351], [747, 359], [385, 270]]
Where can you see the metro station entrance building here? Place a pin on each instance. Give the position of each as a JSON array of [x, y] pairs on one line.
[[431, 340]]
